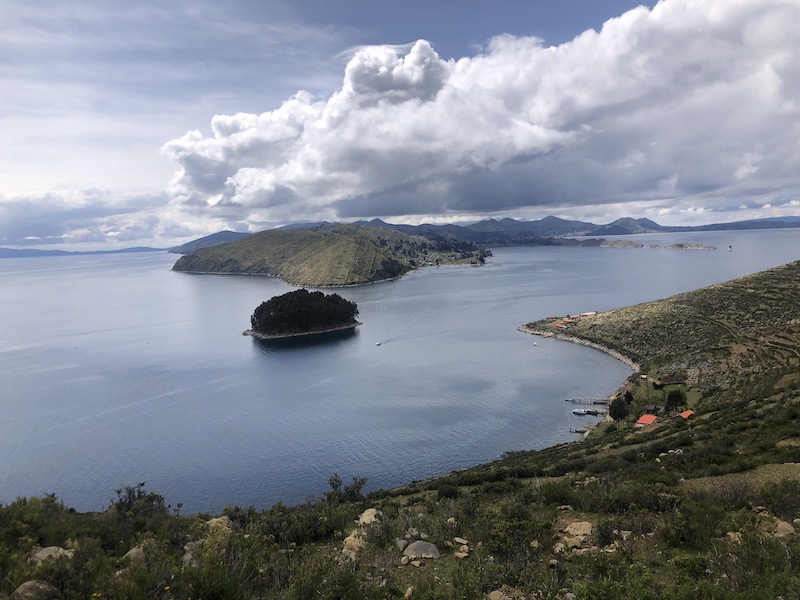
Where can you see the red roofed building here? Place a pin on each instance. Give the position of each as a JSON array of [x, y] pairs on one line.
[[645, 421], [686, 414]]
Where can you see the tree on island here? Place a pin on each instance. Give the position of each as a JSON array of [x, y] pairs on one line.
[[302, 311]]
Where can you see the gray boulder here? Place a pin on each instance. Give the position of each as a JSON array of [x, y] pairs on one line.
[[35, 590], [421, 549]]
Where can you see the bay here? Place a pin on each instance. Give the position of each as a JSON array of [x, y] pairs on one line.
[[115, 370]]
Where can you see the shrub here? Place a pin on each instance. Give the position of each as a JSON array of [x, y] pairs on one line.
[[783, 498]]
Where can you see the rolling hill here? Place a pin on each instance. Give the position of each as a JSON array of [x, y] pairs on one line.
[[328, 255]]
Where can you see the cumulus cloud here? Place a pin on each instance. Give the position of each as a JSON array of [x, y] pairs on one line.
[[692, 103]]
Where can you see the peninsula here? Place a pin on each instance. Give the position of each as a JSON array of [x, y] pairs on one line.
[[329, 255]]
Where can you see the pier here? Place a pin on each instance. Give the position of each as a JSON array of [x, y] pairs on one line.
[[587, 400]]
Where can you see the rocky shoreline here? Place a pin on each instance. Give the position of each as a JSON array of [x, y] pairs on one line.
[[576, 340], [283, 336]]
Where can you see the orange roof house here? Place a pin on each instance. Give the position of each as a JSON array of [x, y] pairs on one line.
[[645, 421], [686, 414]]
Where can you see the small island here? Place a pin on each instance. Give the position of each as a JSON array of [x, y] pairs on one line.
[[301, 313]]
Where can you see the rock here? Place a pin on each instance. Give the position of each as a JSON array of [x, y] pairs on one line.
[[573, 542], [782, 529], [50, 553], [506, 593], [348, 554], [221, 522], [409, 592], [559, 547], [460, 541], [734, 537], [369, 516], [351, 545], [188, 554], [35, 590], [796, 523], [416, 564], [579, 529], [553, 563], [535, 544], [412, 532], [459, 555], [464, 548], [451, 521], [421, 549], [404, 561], [401, 544], [353, 542], [135, 556], [566, 507]]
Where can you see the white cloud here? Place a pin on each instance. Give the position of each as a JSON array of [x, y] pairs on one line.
[[687, 111], [92, 218], [692, 102]]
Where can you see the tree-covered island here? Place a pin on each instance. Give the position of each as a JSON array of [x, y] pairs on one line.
[[302, 313]]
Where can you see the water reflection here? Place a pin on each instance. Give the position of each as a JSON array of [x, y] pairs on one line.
[[327, 339]]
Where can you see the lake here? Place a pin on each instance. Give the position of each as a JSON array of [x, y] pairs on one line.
[[116, 370]]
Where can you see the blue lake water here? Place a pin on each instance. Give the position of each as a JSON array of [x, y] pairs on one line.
[[115, 370]]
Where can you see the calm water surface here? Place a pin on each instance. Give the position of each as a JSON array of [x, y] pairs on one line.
[[115, 370]]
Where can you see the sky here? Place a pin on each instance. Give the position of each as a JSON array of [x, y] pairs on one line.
[[153, 123]]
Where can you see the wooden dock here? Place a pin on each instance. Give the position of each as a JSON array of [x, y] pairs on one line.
[[587, 400]]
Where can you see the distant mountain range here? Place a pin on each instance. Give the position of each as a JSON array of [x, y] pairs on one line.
[[497, 232], [513, 232]]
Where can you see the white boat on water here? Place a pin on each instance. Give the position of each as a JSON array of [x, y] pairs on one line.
[[588, 411]]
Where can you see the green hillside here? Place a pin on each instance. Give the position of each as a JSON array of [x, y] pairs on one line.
[[693, 506], [736, 337], [325, 256]]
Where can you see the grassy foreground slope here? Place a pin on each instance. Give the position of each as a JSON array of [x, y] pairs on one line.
[[704, 508], [329, 255]]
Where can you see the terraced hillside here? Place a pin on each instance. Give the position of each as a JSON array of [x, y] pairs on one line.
[[323, 256], [738, 335]]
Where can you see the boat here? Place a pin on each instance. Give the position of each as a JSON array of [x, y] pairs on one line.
[[379, 343], [588, 411]]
